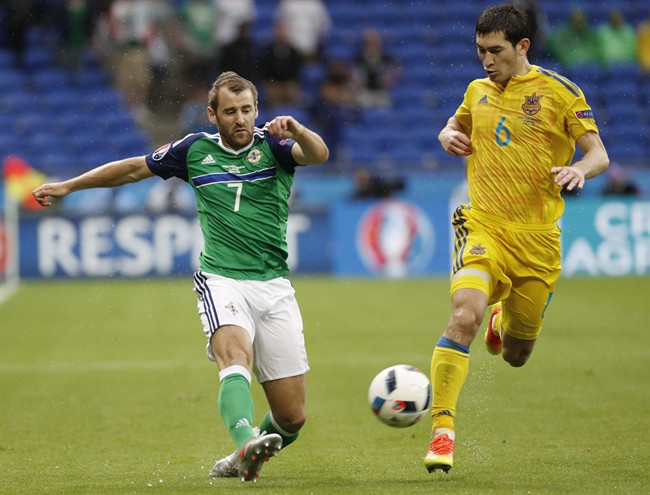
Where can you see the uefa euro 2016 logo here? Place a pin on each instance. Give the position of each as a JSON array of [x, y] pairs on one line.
[[395, 238]]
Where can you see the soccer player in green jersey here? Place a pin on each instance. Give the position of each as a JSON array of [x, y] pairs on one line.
[[242, 178], [519, 127]]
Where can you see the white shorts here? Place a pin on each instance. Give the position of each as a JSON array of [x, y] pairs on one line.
[[267, 310]]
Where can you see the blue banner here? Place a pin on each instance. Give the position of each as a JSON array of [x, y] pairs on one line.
[[606, 237], [143, 245], [406, 237], [391, 238]]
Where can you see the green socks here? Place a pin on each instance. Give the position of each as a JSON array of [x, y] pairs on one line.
[[269, 426], [236, 408]]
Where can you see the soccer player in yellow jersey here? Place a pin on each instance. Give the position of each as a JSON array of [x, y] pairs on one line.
[[518, 127]]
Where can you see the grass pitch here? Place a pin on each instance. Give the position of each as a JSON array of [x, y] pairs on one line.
[[105, 389]]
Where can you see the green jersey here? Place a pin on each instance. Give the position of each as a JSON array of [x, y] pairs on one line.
[[241, 197]]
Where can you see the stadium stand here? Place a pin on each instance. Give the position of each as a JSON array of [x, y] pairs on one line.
[[64, 122]]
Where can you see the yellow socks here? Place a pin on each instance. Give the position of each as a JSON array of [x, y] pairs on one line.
[[449, 366]]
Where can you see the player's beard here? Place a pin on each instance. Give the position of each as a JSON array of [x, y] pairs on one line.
[[238, 138]]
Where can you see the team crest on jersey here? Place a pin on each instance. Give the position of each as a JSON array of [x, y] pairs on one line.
[[478, 250], [254, 156], [532, 105], [161, 152]]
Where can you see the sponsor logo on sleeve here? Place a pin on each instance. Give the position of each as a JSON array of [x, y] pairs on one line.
[[585, 114]]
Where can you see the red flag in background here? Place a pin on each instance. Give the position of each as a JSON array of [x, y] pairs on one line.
[[20, 180]]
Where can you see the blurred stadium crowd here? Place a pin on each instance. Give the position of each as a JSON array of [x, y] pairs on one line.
[[82, 83]]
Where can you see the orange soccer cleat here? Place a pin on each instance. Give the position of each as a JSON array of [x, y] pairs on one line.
[[493, 341], [441, 451]]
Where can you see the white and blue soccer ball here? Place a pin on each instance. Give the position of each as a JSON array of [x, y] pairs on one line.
[[400, 395]]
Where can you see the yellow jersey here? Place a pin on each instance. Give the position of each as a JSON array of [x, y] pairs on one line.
[[518, 134]]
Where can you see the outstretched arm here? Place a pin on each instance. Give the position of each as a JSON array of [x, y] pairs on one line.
[[309, 148], [112, 174], [593, 162]]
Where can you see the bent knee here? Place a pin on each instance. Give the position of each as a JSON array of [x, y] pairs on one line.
[[463, 323], [516, 352], [291, 423], [516, 358], [291, 420]]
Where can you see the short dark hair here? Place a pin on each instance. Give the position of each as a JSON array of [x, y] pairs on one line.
[[232, 81], [506, 19]]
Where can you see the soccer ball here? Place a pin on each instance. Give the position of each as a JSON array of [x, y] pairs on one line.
[[400, 395]]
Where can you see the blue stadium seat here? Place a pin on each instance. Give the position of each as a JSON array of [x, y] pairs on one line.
[[340, 51], [625, 71], [459, 12], [452, 54], [376, 116], [298, 112], [102, 100], [644, 93], [420, 73], [95, 156], [382, 14], [363, 155], [457, 33], [11, 80], [90, 80], [39, 56], [54, 164], [311, 76], [17, 100], [6, 58], [584, 75], [48, 79], [45, 142], [592, 91], [61, 125], [112, 121], [626, 111], [433, 40], [406, 153], [556, 12], [416, 118], [343, 13], [7, 122], [626, 152], [30, 121], [620, 92], [11, 144], [407, 96], [410, 54], [60, 101], [428, 12], [130, 143]]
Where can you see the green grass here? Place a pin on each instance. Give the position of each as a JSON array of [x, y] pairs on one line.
[[105, 389]]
